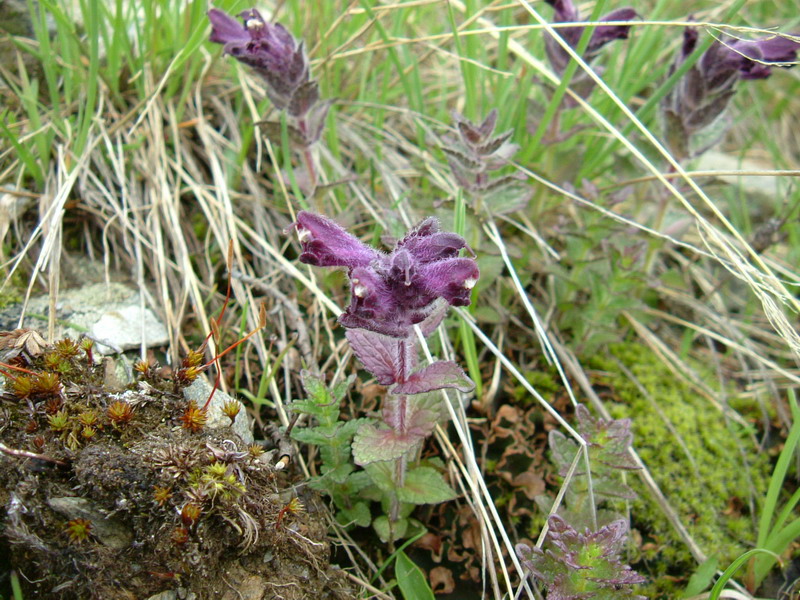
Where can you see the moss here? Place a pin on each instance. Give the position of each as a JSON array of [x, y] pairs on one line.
[[701, 490], [119, 490]]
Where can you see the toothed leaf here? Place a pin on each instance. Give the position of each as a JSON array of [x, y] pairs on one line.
[[425, 485], [372, 444], [437, 376]]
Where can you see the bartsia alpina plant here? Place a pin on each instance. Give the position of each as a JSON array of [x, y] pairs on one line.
[[701, 96], [567, 12], [576, 566], [475, 153], [413, 285], [280, 60]]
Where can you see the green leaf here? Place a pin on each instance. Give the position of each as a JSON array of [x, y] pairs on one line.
[[339, 474], [358, 514], [425, 485], [411, 580], [389, 531], [701, 578], [380, 473]]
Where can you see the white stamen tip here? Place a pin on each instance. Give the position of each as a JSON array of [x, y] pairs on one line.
[[303, 234], [253, 23], [470, 283], [359, 290]]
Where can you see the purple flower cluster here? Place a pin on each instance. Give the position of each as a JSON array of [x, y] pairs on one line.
[[274, 54], [703, 93], [390, 293]]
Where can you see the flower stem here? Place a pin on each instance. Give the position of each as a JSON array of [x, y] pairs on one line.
[[308, 157], [401, 409]]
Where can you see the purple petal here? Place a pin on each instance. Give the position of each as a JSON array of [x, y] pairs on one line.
[[566, 11], [604, 34], [777, 49], [451, 279], [225, 29], [426, 243], [326, 244]]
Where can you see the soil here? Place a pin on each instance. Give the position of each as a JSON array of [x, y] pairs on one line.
[[98, 506]]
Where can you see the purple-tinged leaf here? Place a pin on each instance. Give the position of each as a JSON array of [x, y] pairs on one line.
[[272, 131], [437, 376], [462, 159], [410, 415], [425, 485], [315, 121], [383, 356], [495, 143], [372, 444], [489, 123], [576, 565], [303, 98]]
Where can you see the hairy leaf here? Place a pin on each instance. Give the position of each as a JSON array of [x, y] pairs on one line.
[[380, 354], [437, 376], [372, 444], [425, 485], [586, 564], [389, 531], [358, 514]]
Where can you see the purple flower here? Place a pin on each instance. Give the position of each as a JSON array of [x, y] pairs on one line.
[[567, 12], [703, 93], [390, 293], [747, 59], [266, 47]]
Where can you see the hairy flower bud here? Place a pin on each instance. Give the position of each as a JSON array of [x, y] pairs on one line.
[[271, 51]]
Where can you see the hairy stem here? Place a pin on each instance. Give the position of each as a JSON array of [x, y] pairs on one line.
[[308, 157], [401, 408]]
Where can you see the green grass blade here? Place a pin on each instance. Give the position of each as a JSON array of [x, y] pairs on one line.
[[731, 571]]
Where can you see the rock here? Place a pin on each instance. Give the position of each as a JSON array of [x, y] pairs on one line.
[[111, 314], [168, 595], [124, 329], [108, 530], [199, 392], [765, 187]]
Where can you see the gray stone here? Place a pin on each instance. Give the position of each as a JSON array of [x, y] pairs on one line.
[[199, 392], [111, 314], [168, 595], [108, 530]]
